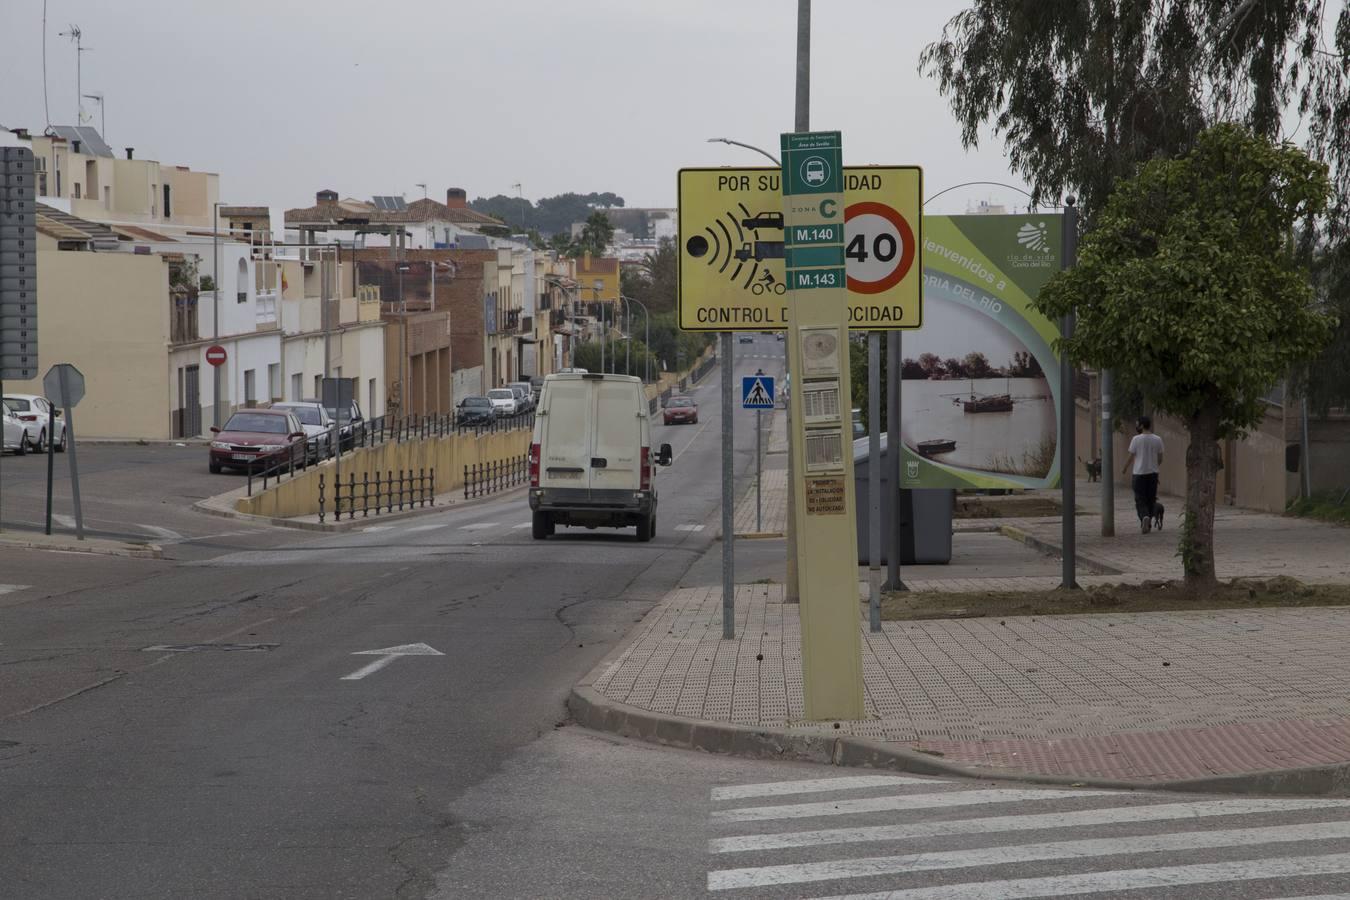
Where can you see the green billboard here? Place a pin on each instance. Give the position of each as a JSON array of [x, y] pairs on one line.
[[980, 380]]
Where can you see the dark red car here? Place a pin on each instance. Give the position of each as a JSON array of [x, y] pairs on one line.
[[257, 438], [680, 410]]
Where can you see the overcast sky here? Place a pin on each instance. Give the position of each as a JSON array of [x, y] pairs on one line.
[[283, 97]]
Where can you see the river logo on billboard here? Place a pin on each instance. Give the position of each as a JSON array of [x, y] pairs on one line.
[[980, 380]]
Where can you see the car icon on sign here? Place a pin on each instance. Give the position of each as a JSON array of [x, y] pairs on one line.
[[764, 220], [815, 171]]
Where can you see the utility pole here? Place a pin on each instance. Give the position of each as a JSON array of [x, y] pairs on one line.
[[215, 311]]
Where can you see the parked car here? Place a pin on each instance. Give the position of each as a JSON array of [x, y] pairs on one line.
[[14, 437], [318, 425], [523, 401], [504, 401], [680, 411], [34, 412], [746, 339], [571, 371], [256, 438], [591, 461], [778, 336], [475, 411], [354, 423], [536, 388]]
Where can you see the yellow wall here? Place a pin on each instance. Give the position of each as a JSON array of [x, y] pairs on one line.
[[108, 315], [448, 456]]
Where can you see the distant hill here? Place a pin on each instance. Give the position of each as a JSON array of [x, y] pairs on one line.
[[550, 215]]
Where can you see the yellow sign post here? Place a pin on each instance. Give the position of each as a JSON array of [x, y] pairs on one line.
[[733, 248]]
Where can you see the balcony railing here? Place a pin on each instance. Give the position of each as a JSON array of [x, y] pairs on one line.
[[266, 309]]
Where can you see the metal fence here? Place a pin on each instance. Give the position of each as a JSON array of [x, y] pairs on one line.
[[283, 464], [401, 490], [486, 478]]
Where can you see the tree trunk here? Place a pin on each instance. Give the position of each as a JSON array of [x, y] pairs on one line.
[[1203, 462]]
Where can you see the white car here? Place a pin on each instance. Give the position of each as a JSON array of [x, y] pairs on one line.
[[34, 414], [504, 401], [14, 437], [316, 422]]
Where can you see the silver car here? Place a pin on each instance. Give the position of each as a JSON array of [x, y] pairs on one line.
[[316, 422]]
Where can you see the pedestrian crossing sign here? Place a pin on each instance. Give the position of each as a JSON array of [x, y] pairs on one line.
[[757, 392]]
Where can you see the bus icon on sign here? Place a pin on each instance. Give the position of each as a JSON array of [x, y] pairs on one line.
[[814, 173]]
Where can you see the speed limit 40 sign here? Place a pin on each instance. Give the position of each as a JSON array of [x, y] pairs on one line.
[[734, 240]]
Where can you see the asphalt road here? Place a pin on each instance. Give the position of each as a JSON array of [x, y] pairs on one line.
[[195, 727], [189, 727]]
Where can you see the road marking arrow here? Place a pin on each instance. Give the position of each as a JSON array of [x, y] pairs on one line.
[[388, 655]]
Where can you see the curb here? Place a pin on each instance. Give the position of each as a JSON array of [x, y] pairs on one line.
[[143, 551], [753, 535], [590, 709], [206, 506], [1093, 566]]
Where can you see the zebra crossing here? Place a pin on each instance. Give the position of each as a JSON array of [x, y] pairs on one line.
[[869, 837]]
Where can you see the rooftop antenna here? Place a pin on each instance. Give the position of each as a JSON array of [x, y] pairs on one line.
[[73, 32], [46, 110], [424, 189], [520, 195], [102, 112]]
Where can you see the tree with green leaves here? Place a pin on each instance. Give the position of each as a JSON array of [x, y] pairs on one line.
[[1083, 93], [1189, 286], [595, 236]]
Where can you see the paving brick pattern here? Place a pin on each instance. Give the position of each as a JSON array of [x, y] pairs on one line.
[[773, 506], [1146, 696]]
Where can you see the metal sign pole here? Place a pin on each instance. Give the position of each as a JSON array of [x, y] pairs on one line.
[[759, 469], [874, 479], [1108, 459], [728, 500], [895, 452], [51, 460], [70, 450], [1066, 413]]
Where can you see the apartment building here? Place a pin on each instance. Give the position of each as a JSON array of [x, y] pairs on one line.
[[78, 173]]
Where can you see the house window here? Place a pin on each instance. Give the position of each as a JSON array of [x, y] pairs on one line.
[[370, 404], [318, 386], [168, 212], [274, 381], [297, 386], [250, 388], [77, 190]]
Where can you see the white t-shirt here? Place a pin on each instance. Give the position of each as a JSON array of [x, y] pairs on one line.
[[1147, 450]]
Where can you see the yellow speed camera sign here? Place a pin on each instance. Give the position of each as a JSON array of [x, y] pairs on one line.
[[733, 244]]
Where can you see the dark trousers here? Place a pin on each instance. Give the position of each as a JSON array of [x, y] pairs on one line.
[[1145, 494]]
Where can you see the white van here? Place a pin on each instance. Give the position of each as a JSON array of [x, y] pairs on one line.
[[590, 460]]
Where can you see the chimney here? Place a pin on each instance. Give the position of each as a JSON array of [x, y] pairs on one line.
[[326, 197], [130, 151], [455, 198], [74, 146]]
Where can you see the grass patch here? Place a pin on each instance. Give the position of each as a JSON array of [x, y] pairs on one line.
[[1152, 596], [1328, 506]]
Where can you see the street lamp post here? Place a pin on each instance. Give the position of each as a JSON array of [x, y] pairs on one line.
[[647, 365]]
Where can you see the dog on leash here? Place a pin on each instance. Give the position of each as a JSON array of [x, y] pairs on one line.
[[1094, 468], [1157, 516]]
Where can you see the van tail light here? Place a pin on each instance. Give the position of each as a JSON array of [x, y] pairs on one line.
[[646, 468], [534, 465]]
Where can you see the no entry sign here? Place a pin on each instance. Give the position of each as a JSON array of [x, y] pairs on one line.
[[215, 355]]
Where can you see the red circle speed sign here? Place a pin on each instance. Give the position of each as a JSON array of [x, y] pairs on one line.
[[880, 247], [215, 355]]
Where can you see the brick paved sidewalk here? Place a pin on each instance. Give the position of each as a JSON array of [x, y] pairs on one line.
[[1146, 697], [1247, 543], [773, 488]]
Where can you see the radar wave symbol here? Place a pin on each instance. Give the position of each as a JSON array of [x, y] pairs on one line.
[[1033, 237]]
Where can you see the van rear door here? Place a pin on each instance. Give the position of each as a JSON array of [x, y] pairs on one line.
[[565, 435], [617, 444]]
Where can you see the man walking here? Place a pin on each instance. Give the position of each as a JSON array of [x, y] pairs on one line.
[[1146, 455]]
